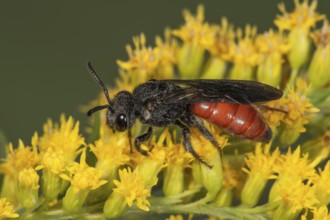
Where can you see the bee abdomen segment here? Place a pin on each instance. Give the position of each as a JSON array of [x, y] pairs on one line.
[[238, 119]]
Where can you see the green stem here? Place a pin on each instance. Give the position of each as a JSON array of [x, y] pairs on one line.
[[222, 212]]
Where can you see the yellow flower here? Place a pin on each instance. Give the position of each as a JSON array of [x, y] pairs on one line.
[[63, 138], [233, 180], [149, 63], [109, 151], [21, 158], [296, 105], [7, 209], [303, 16], [293, 164], [321, 213], [243, 54], [176, 155], [27, 188], [196, 36], [53, 161], [293, 196], [298, 22], [82, 176], [289, 189], [272, 46], [216, 66], [195, 30], [131, 189], [224, 39], [166, 50], [151, 165], [260, 169], [83, 179], [28, 178], [210, 178], [177, 159]]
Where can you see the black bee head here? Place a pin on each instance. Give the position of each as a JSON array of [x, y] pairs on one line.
[[120, 115]]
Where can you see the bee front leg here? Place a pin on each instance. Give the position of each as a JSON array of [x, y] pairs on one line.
[[142, 138]]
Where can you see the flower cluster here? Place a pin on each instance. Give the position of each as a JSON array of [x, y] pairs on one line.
[[61, 175]]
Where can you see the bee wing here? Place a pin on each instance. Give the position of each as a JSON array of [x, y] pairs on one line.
[[237, 91]]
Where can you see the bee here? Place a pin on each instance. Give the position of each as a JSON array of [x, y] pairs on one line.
[[159, 103]]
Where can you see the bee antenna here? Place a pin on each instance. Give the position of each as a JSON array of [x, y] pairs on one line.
[[98, 108], [100, 83]]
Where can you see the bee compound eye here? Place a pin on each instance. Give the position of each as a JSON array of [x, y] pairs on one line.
[[121, 122]]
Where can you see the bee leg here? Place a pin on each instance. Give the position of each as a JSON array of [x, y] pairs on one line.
[[130, 140], [187, 144], [195, 122], [138, 141]]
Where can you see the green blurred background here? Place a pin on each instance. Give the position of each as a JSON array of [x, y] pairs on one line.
[[44, 47]]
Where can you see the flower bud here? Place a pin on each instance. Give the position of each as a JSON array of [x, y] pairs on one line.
[[215, 69], [253, 189], [300, 45], [74, 198], [241, 71], [289, 135], [269, 71], [190, 60], [173, 180], [27, 188], [52, 184], [319, 69], [114, 206], [224, 198]]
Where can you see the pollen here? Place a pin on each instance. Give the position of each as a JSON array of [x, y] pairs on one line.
[[132, 187], [7, 210]]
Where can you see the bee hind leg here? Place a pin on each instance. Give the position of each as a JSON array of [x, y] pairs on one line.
[[187, 144]]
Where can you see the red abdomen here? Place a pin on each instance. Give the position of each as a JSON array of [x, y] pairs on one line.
[[237, 119]]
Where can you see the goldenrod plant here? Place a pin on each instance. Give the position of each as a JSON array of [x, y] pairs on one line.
[[63, 174]]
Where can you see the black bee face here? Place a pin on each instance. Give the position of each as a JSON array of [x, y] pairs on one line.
[[121, 116]]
